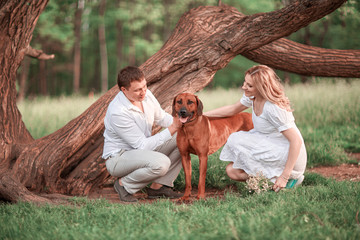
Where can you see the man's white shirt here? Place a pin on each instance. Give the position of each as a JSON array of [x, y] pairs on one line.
[[127, 127]]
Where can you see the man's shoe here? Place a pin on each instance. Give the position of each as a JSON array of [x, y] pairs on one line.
[[163, 192], [123, 194]]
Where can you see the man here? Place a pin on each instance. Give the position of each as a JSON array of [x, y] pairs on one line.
[[132, 154]]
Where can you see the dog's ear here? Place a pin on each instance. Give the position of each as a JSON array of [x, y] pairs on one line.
[[173, 113], [199, 106]]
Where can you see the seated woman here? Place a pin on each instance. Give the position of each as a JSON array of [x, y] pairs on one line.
[[275, 146]]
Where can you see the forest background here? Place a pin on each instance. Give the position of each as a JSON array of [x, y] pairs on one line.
[[93, 39], [92, 50]]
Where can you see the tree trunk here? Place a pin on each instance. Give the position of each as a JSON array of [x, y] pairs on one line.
[[77, 45], [17, 22], [42, 78], [325, 30], [119, 40], [205, 40], [167, 16], [103, 50], [130, 39]]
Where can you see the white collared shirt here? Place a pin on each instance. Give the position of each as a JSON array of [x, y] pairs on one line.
[[127, 127]]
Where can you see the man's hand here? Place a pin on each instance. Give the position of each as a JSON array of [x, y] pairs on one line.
[[176, 125]]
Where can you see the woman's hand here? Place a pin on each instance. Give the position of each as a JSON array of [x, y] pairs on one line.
[[294, 150], [280, 183], [226, 111]]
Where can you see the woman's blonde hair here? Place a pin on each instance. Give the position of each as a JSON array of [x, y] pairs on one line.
[[269, 86]]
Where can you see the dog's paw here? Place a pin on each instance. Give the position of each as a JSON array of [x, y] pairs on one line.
[[200, 197], [184, 200]]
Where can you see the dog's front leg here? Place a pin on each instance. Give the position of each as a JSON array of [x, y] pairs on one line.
[[203, 159], [186, 162]]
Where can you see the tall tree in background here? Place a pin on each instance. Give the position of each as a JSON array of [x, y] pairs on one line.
[[77, 45], [167, 17], [119, 38], [25, 64], [205, 40], [103, 50], [54, 33]]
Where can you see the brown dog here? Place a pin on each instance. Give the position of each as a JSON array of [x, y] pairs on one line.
[[202, 135]]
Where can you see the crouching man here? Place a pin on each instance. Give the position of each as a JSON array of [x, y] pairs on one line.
[[132, 154]]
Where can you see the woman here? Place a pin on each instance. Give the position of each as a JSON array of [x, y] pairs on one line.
[[275, 146]]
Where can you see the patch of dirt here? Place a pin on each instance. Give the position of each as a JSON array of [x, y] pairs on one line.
[[342, 172], [109, 194], [348, 172]]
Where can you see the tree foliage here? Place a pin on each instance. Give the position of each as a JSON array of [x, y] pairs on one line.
[[140, 28]]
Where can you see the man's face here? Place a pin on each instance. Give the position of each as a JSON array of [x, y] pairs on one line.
[[137, 90]]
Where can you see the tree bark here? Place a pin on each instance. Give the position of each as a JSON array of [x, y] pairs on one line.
[[205, 40], [307, 60], [39, 54], [17, 22]]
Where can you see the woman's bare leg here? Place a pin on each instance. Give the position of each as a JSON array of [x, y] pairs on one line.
[[235, 173]]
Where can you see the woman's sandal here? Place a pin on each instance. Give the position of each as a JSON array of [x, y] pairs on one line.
[[294, 182]]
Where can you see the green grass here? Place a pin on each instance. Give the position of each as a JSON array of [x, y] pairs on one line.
[[326, 210], [45, 115], [328, 116]]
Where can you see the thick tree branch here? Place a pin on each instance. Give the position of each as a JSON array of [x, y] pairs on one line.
[[307, 60], [260, 29], [12, 190], [207, 38], [205, 33], [39, 54]]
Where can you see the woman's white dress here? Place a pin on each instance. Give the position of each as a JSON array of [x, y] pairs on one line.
[[264, 149]]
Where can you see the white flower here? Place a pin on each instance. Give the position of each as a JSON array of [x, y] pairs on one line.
[[258, 183]]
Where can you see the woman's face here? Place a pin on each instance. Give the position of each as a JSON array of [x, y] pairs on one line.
[[249, 87]]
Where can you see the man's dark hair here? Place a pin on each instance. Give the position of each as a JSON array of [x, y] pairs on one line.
[[127, 75]]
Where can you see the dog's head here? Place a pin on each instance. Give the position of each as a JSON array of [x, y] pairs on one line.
[[187, 106]]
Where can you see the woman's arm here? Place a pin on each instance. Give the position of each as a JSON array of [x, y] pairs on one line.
[[294, 151], [226, 111]]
